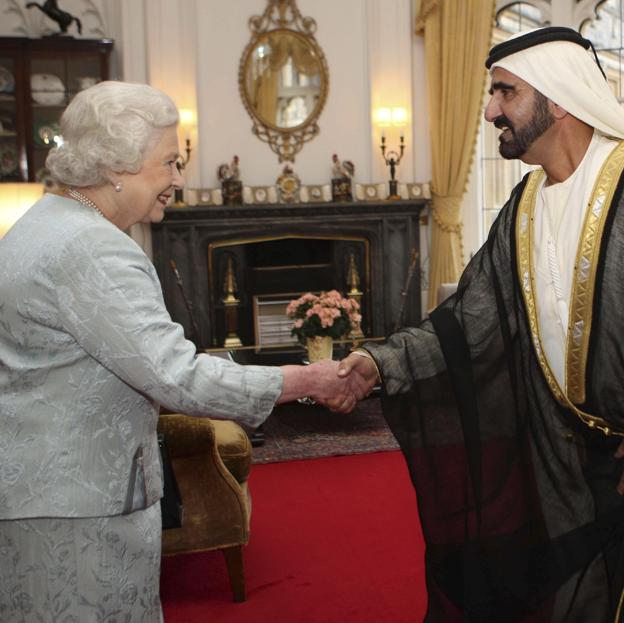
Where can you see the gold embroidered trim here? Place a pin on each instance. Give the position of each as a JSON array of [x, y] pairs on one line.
[[592, 232], [584, 278], [524, 246]]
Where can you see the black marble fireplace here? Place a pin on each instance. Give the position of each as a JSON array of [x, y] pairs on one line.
[[234, 260]]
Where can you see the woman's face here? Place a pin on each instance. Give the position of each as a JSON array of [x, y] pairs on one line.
[[146, 194]]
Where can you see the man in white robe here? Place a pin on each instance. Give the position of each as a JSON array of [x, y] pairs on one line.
[[508, 401]]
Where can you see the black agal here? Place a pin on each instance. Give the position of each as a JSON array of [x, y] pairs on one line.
[[536, 37]]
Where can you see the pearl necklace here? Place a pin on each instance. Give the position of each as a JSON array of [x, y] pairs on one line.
[[74, 194]]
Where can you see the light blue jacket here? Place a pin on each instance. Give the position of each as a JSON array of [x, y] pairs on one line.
[[88, 353]]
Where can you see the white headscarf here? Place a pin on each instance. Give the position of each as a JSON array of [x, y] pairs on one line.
[[568, 75]]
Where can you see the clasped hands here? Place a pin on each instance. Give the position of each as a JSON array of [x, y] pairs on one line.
[[342, 384]]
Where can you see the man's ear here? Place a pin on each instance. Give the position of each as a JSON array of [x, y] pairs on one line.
[[556, 110]]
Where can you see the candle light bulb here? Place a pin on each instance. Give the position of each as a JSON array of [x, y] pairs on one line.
[[187, 121]]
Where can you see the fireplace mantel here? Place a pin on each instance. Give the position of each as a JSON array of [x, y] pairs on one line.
[[381, 236]]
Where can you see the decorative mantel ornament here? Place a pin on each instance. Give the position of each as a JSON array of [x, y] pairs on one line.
[[342, 173], [283, 54], [288, 185], [231, 185], [392, 160]]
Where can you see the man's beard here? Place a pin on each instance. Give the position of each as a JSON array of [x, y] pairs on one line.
[[522, 138]]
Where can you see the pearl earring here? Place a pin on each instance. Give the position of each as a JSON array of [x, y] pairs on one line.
[[118, 187]]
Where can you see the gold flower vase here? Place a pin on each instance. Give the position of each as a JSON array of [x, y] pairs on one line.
[[319, 347]]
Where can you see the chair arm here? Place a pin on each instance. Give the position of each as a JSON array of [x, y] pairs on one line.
[[216, 505], [186, 435]]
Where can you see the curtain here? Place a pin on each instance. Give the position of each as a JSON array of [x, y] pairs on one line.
[[458, 35]]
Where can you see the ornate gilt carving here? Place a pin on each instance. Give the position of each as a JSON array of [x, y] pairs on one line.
[[283, 78]]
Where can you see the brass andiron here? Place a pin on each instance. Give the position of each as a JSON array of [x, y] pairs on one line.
[[353, 281], [231, 304]]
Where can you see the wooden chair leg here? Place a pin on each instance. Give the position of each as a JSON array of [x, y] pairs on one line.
[[234, 562]]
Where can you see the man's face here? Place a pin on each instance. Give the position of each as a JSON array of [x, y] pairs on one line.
[[519, 110]]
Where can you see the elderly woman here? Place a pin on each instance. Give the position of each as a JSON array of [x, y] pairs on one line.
[[88, 353]]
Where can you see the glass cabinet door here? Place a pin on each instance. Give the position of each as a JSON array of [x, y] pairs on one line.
[[53, 84], [10, 156], [49, 96], [38, 78]]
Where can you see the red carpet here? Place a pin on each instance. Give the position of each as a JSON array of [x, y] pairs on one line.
[[333, 540]]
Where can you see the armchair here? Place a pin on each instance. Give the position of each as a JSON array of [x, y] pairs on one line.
[[211, 460]]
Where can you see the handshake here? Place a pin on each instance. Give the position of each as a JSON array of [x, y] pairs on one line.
[[338, 385]]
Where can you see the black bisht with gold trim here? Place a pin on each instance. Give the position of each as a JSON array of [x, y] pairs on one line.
[[516, 487]]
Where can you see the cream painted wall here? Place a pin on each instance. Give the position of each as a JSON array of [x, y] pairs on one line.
[[368, 46], [191, 49], [225, 126]]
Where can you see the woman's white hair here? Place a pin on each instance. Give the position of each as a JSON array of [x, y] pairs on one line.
[[108, 128]]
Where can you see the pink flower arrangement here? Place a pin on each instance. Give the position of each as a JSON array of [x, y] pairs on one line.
[[326, 314]]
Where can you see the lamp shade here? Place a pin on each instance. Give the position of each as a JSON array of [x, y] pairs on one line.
[[15, 199], [188, 121], [187, 117], [383, 117], [399, 116]]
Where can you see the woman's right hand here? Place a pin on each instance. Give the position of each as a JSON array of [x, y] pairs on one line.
[[321, 382]]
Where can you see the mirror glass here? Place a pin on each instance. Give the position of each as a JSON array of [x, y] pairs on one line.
[[284, 79]]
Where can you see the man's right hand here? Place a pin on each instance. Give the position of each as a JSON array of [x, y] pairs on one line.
[[321, 382], [362, 365]]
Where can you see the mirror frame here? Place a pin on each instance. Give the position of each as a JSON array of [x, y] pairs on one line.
[[283, 16]]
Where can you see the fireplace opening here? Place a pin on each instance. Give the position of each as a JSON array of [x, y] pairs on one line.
[[290, 265], [252, 281]]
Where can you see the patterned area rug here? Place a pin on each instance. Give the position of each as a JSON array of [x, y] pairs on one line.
[[297, 431]]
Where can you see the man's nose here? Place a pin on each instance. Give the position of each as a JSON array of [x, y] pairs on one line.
[[492, 110]]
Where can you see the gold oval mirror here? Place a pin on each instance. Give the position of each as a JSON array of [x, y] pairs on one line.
[[283, 79]]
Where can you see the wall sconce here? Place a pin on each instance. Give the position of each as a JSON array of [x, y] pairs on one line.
[[383, 117], [386, 117], [15, 199], [392, 117], [187, 123]]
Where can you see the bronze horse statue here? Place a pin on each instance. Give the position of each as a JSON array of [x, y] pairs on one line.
[[62, 18]]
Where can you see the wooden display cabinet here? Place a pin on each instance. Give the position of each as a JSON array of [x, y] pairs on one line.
[[38, 78]]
